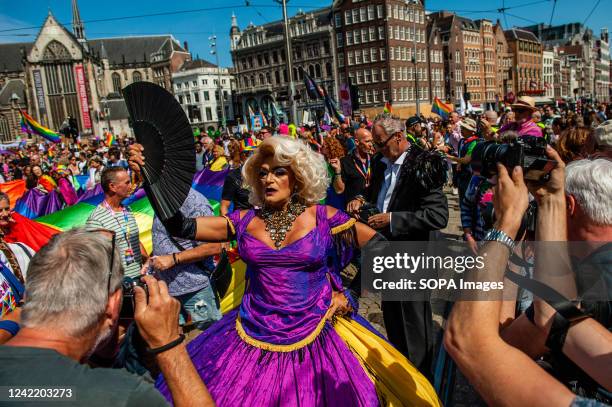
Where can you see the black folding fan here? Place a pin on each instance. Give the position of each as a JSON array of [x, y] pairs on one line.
[[162, 128]]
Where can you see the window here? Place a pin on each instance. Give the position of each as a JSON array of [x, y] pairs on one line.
[[364, 35], [338, 19], [277, 77], [391, 53], [366, 56], [371, 13], [195, 84], [136, 76], [348, 19], [188, 98], [357, 37], [394, 95], [180, 99], [385, 95], [359, 77], [391, 36], [341, 59], [373, 55], [381, 32], [351, 58], [379, 11], [196, 97], [116, 82], [355, 15], [392, 74], [367, 76], [349, 38], [383, 54], [209, 114], [362, 14], [383, 74], [374, 75], [339, 40], [204, 81], [357, 57], [178, 85], [372, 32], [207, 94]]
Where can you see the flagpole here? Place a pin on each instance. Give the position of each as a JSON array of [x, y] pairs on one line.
[[289, 62]]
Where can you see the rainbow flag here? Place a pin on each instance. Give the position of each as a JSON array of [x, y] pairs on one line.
[[387, 109], [441, 109], [249, 144], [33, 127], [109, 138]]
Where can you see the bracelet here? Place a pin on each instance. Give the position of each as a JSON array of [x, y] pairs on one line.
[[168, 346], [174, 258]]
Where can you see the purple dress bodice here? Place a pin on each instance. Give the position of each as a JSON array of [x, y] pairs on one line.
[[289, 290]]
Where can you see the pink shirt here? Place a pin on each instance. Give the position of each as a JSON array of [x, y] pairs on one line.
[[529, 128]]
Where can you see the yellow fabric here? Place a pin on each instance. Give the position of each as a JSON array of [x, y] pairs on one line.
[[218, 164], [397, 381], [145, 223], [234, 294]]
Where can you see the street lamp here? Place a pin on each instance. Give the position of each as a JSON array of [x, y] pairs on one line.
[[107, 114], [213, 51], [414, 54], [288, 52]]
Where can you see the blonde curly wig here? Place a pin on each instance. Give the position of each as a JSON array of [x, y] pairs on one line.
[[308, 167]]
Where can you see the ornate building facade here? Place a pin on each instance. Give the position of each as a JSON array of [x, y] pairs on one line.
[[66, 75]]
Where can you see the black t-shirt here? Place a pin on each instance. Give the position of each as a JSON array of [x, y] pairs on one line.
[[233, 191], [354, 181], [45, 368]]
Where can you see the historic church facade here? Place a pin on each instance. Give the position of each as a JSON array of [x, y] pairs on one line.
[[63, 74]]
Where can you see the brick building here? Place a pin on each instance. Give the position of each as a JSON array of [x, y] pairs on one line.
[[527, 60], [505, 77]]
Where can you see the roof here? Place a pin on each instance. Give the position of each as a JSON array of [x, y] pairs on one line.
[[10, 56], [12, 86], [444, 21], [198, 63], [118, 109], [322, 17], [514, 34], [134, 49]]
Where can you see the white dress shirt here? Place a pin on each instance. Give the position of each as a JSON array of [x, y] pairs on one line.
[[391, 173]]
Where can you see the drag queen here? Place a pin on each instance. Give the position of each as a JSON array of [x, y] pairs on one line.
[[296, 339]]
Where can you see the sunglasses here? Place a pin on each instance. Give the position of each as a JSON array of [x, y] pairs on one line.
[[112, 257], [381, 145]]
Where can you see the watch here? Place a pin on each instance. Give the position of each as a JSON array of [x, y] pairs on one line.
[[495, 235]]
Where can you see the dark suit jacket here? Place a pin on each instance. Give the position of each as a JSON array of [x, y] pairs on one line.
[[418, 204]]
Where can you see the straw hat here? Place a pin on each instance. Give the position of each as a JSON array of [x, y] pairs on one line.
[[524, 102], [468, 124]]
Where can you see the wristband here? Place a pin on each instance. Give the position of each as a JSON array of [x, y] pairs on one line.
[[174, 258], [168, 346], [11, 327]]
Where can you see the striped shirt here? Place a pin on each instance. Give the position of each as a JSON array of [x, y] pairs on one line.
[[103, 218]]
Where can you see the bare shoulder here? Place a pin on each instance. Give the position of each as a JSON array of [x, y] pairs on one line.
[[331, 211]]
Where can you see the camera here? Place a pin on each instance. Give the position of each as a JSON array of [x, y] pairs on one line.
[[367, 210], [129, 304], [528, 152]]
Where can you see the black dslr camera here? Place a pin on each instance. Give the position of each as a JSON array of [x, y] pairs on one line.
[[528, 152], [367, 210], [129, 300]]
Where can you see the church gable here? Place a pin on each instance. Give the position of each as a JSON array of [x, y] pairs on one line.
[[54, 42]]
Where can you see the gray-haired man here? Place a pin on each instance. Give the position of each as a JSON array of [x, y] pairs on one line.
[[73, 301]]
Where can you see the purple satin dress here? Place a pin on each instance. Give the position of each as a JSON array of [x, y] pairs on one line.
[[277, 350]]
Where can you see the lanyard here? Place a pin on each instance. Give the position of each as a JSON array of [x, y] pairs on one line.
[[364, 169], [125, 230]]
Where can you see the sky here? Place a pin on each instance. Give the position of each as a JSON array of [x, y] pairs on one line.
[[213, 17]]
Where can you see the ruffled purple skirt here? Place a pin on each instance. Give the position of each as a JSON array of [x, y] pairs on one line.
[[237, 374]]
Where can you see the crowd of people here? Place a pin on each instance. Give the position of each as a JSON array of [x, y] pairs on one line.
[[82, 318]]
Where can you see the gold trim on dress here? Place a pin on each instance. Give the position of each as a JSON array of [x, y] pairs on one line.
[[346, 225], [231, 225], [279, 348]]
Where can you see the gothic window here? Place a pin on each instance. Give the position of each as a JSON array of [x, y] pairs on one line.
[[55, 51], [136, 76], [116, 82]]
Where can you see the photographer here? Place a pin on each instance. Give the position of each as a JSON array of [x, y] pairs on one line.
[[73, 302], [473, 338], [466, 146]]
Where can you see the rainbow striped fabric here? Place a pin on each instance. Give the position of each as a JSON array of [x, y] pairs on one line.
[[387, 109], [109, 138], [441, 109], [31, 126], [249, 144]]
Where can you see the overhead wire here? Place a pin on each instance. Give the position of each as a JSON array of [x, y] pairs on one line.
[[591, 13]]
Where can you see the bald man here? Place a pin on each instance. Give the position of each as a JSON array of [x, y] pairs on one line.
[[352, 172]]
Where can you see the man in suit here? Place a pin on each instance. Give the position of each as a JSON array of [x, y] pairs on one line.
[[406, 187]]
